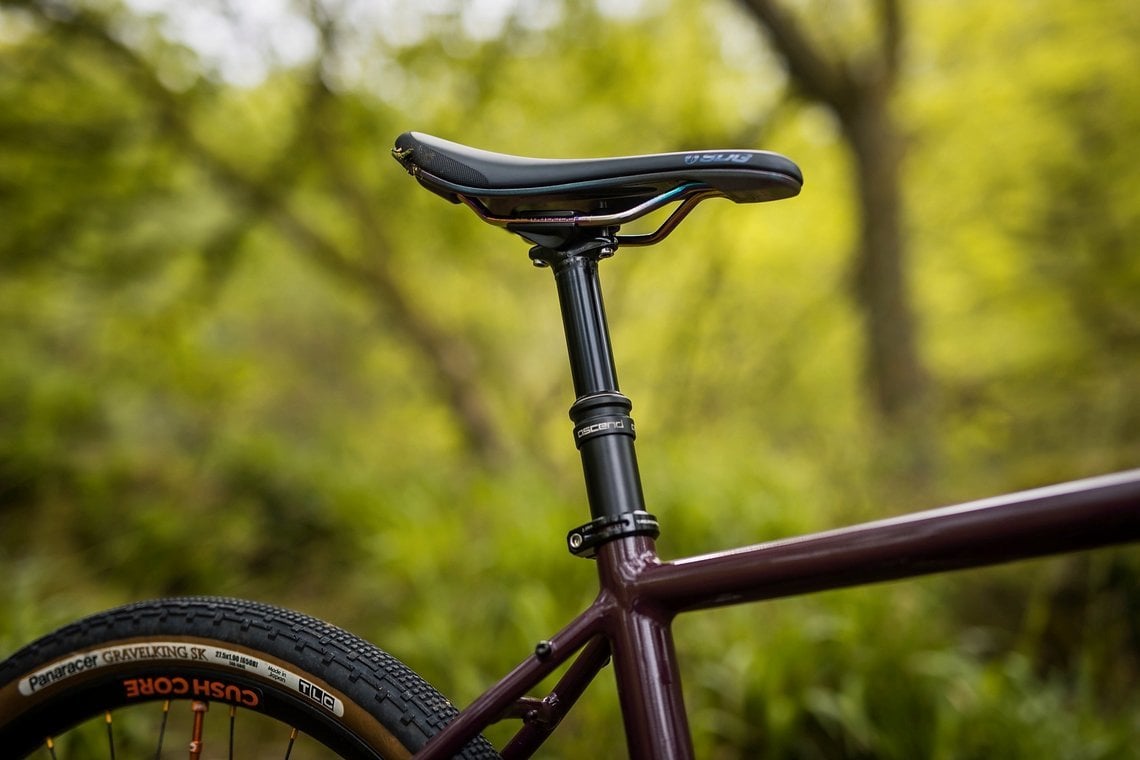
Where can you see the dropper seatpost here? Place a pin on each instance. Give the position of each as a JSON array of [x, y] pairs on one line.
[[603, 430]]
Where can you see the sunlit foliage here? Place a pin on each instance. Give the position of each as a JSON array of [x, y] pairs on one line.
[[242, 353]]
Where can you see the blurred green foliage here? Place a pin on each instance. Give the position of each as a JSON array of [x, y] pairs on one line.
[[241, 354]]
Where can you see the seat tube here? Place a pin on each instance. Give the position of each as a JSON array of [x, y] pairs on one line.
[[645, 662]]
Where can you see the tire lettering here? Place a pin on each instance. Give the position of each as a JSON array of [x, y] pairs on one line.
[[318, 695], [202, 688], [215, 657]]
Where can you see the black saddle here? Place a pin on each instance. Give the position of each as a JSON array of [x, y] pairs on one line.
[[528, 193]]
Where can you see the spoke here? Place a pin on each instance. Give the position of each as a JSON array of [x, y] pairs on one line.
[[233, 713], [292, 739], [110, 734], [162, 729]]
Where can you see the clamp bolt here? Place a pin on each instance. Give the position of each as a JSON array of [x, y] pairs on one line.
[[584, 540]]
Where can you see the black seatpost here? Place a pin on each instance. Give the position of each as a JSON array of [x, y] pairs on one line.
[[603, 429]]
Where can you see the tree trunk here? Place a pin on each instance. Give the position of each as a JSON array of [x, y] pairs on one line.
[[896, 380], [858, 90]]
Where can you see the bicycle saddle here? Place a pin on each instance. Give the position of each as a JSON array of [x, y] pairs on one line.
[[526, 194]]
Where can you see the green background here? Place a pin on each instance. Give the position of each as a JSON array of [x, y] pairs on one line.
[[242, 353]]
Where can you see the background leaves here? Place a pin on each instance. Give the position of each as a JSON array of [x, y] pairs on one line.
[[243, 354]]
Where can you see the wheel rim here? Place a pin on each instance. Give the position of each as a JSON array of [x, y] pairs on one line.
[[183, 728]]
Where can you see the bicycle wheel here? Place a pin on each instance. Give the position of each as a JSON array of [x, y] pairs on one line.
[[236, 678]]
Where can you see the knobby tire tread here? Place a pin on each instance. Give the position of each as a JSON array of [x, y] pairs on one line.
[[406, 705]]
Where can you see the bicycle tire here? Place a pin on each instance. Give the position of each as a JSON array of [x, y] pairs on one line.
[[251, 659]]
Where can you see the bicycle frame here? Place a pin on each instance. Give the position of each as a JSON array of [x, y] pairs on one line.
[[630, 620]]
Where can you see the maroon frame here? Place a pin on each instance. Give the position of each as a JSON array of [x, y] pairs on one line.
[[640, 595], [630, 621]]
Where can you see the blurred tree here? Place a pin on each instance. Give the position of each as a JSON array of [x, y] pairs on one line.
[[849, 63], [1024, 199], [228, 322], [265, 191]]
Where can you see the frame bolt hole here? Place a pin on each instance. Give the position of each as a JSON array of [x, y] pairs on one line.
[[543, 650]]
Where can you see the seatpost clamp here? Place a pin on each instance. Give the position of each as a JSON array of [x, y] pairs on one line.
[[567, 243], [584, 541]]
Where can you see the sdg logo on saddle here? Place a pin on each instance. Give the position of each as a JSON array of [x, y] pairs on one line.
[[717, 158]]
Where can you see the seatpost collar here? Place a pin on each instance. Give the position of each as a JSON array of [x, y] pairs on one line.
[[601, 414]]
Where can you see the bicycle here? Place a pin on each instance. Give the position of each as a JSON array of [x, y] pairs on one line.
[[176, 658]]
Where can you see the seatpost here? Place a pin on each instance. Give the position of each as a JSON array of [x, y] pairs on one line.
[[621, 535], [603, 429]]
